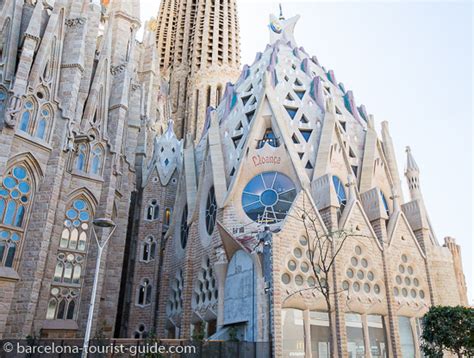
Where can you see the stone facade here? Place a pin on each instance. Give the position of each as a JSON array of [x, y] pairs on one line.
[[78, 112], [97, 124]]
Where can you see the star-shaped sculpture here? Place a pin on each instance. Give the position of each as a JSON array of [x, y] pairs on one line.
[[282, 29]]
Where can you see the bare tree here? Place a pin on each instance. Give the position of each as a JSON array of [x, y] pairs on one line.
[[323, 249]]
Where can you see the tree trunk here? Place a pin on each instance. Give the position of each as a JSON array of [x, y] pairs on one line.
[[332, 324]]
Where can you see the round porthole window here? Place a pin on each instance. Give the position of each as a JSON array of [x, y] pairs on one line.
[[268, 197]]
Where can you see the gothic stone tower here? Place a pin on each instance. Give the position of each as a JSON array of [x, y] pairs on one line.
[[199, 48], [78, 94]]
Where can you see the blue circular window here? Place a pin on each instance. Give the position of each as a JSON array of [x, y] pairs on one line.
[[268, 197]]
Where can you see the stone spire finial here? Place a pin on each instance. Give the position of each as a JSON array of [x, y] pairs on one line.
[[412, 173], [281, 12], [411, 164], [170, 130]]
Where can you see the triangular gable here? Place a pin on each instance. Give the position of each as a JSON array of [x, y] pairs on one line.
[[401, 224], [348, 222], [303, 203], [265, 108]]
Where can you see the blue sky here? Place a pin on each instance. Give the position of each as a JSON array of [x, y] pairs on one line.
[[410, 63]]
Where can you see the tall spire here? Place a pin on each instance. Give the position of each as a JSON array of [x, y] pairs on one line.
[[198, 43], [412, 173]]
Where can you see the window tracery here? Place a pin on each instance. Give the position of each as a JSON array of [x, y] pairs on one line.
[[70, 261], [16, 192]]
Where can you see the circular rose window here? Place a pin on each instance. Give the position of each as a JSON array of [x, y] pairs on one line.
[[268, 197]]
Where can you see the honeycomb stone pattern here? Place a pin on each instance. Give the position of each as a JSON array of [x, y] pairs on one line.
[[175, 303], [360, 278], [205, 289], [407, 285], [298, 271]]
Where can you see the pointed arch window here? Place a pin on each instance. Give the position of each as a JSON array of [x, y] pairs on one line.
[[70, 261], [144, 293], [167, 217], [43, 124], [81, 157], [16, 192], [27, 116], [152, 210], [149, 249], [96, 160]]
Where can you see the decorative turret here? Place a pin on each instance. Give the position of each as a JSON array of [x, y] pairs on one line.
[[412, 173]]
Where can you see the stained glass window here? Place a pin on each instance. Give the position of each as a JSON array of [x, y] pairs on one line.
[[43, 122], [341, 193], [15, 197], [184, 232], [70, 261], [96, 164], [211, 211], [268, 197], [26, 116], [81, 157]]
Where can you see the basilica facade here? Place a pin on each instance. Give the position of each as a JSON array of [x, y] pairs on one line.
[[195, 160]]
